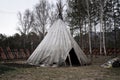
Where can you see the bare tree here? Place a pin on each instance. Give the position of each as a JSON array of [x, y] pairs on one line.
[[26, 21], [41, 17]]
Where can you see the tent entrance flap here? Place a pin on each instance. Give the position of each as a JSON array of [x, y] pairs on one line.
[[73, 58]]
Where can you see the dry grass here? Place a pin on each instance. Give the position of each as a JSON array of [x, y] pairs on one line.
[[91, 72]]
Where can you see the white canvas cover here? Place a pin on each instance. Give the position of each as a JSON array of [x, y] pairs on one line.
[[56, 46]]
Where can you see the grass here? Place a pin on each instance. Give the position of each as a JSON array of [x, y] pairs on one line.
[[4, 69], [17, 71]]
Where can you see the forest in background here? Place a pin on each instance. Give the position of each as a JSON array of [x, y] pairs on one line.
[[93, 24]]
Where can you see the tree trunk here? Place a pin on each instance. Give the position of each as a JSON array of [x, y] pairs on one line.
[[102, 30], [85, 38], [80, 27], [104, 46], [89, 26], [100, 33], [95, 39]]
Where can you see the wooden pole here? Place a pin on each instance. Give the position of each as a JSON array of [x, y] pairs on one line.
[[70, 60]]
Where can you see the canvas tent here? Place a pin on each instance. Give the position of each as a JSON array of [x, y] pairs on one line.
[[58, 47]]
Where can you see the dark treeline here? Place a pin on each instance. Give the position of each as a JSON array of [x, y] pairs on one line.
[[110, 40], [17, 41], [93, 24]]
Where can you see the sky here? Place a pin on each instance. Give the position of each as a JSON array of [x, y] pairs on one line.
[[8, 14]]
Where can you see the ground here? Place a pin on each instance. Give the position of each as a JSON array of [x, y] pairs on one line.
[[17, 70]]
